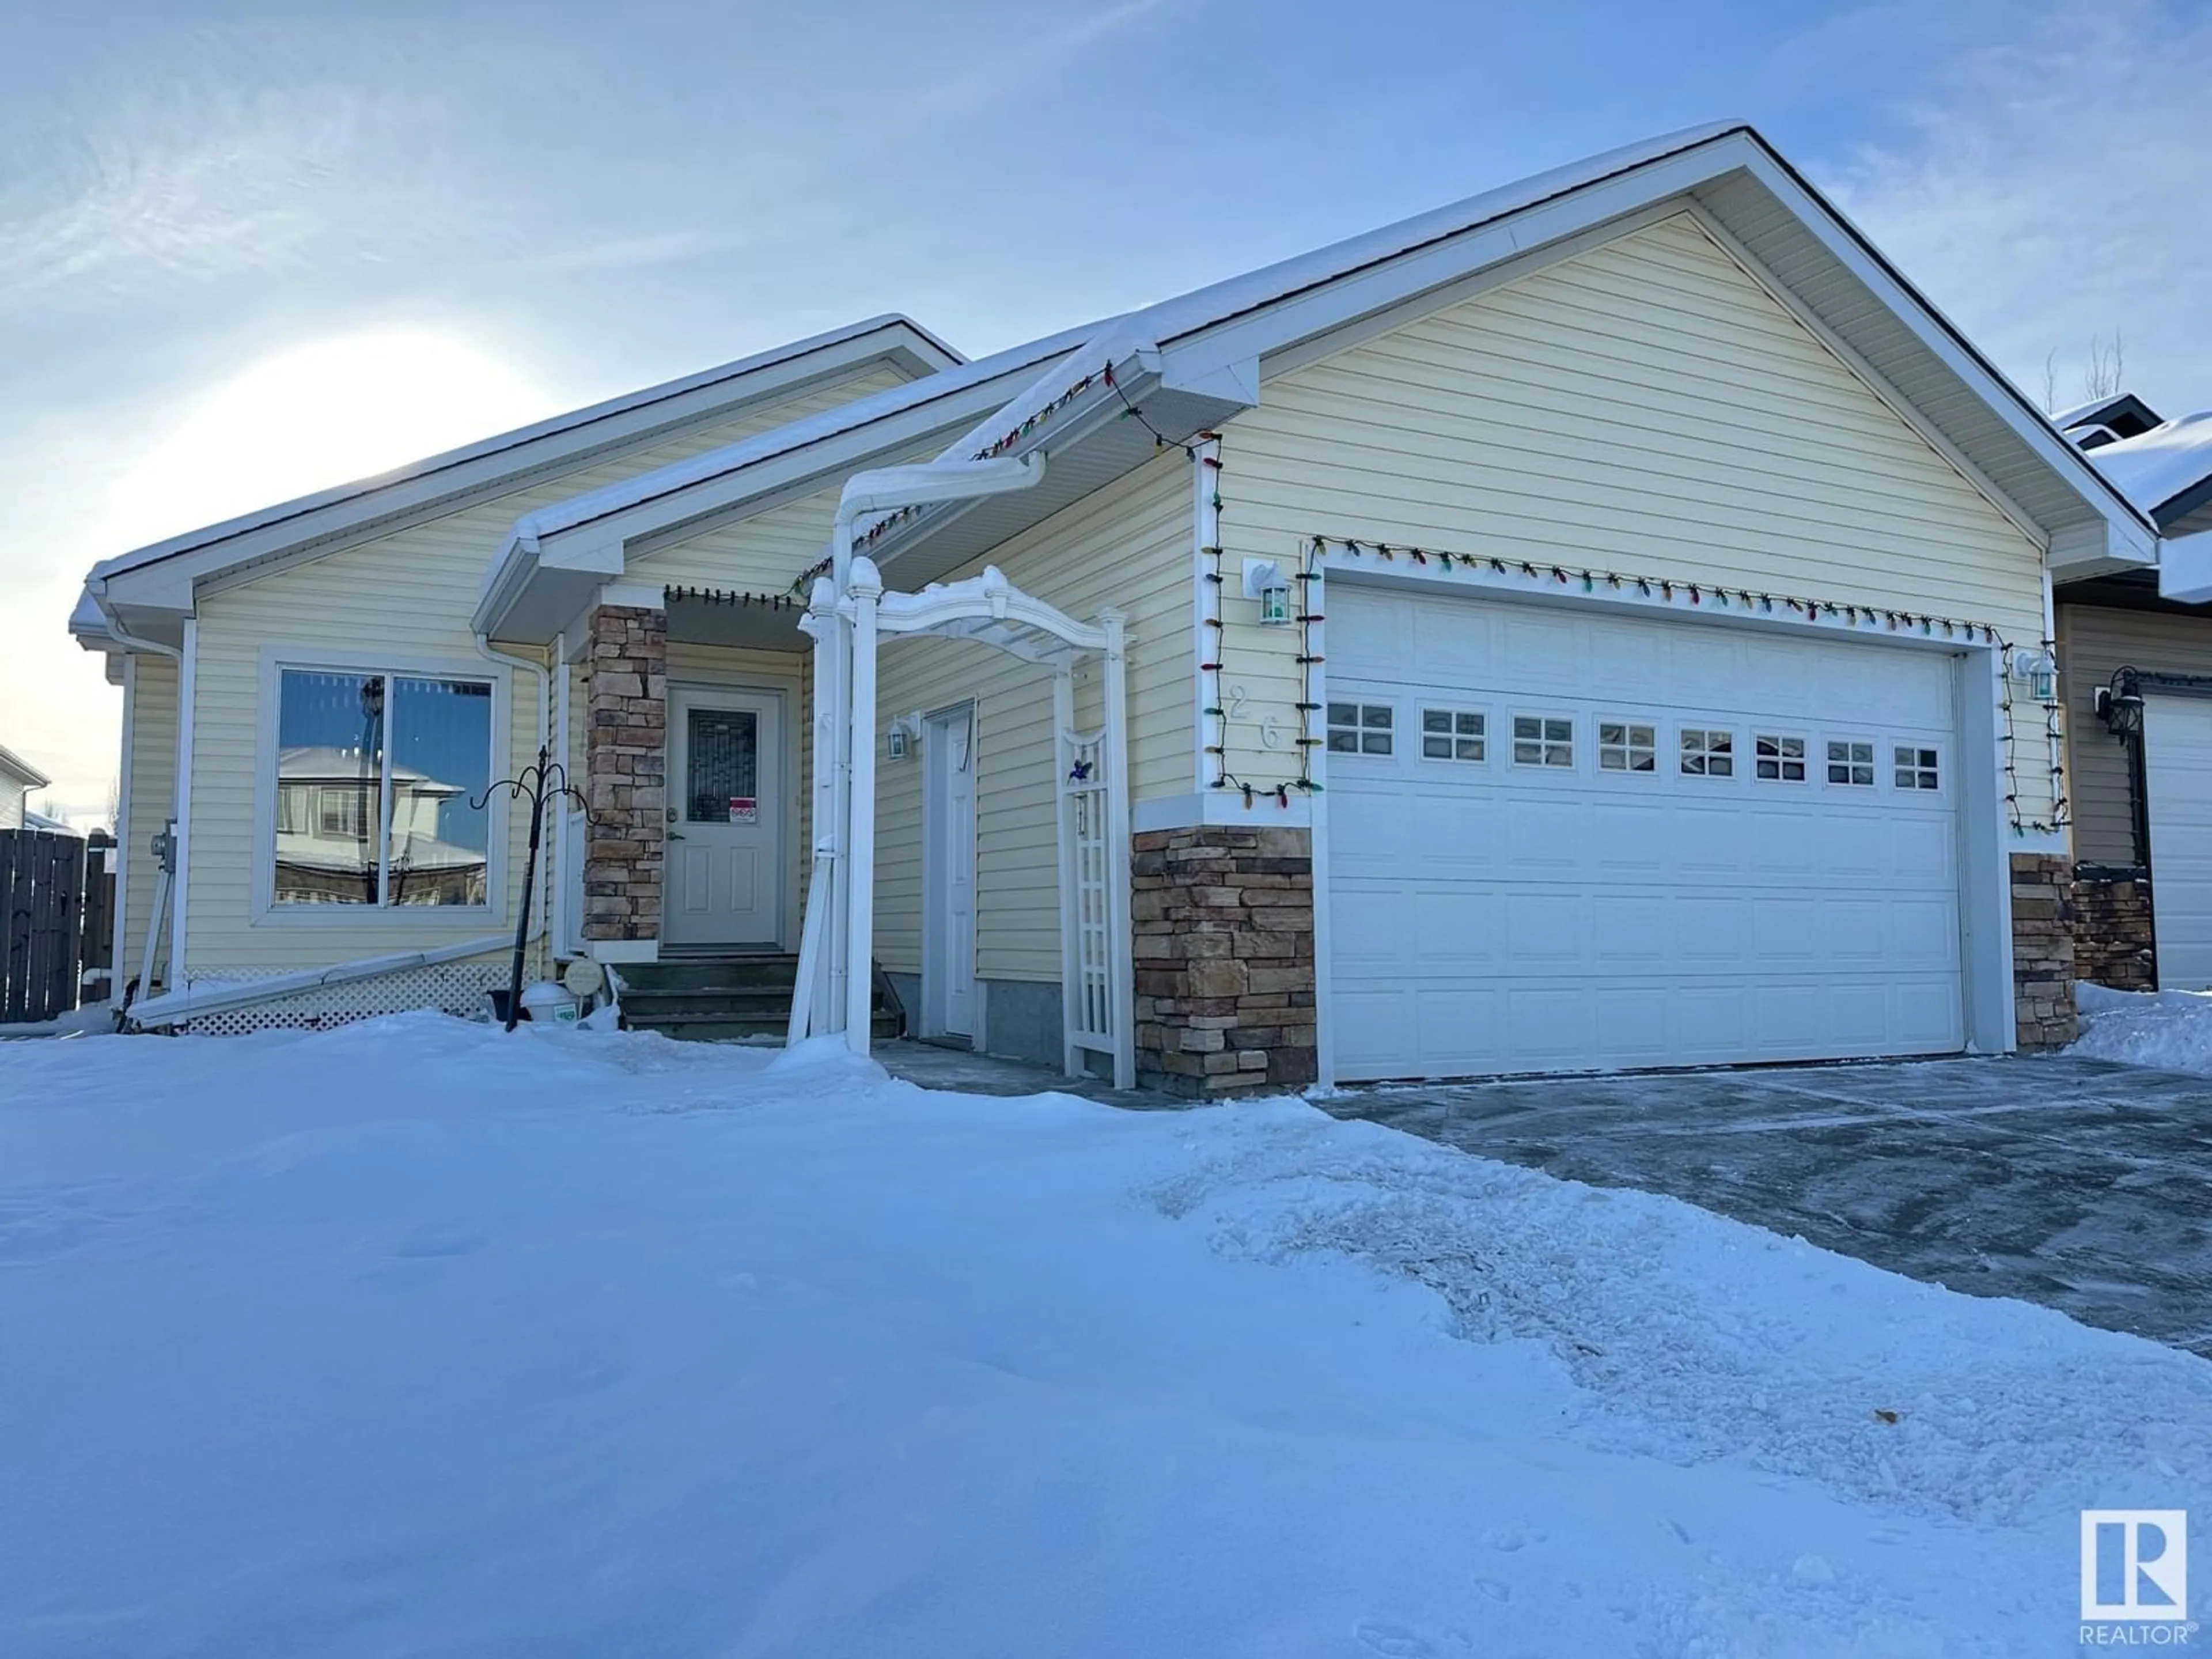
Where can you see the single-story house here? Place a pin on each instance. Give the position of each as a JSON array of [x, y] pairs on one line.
[[2135, 653], [1601, 623], [18, 779]]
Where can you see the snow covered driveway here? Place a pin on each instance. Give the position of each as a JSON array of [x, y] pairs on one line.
[[414, 1338], [2066, 1180]]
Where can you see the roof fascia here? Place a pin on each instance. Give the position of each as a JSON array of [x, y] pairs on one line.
[[317, 525]]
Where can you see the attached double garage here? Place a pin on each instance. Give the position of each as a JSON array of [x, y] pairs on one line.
[[1587, 837]]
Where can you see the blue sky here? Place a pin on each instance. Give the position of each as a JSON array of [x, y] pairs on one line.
[[574, 200]]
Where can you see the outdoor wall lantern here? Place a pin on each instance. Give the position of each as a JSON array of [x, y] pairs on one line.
[[1264, 580], [2120, 705], [2039, 672]]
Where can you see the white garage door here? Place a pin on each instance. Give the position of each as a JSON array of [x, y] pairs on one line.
[[1562, 840], [2177, 774]]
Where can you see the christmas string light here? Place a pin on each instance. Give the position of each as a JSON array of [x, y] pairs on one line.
[[1853, 616]]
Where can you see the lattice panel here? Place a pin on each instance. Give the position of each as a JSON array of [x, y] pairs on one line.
[[453, 987]]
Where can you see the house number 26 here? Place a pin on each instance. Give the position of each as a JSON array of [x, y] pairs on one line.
[[1271, 726]]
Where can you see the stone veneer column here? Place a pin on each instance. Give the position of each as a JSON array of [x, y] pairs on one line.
[[1224, 958], [2042, 951], [2114, 943], [626, 772]]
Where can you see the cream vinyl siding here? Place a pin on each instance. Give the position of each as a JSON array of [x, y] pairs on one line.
[[410, 594], [1129, 546], [1645, 407], [765, 553], [2094, 642], [153, 716]]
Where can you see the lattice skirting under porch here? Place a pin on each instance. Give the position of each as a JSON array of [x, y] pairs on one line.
[[453, 987]]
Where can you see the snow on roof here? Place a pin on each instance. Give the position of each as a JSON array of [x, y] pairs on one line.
[[552, 427], [2162, 464]]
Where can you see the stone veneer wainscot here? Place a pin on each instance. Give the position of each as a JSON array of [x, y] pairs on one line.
[[626, 769], [1224, 958]]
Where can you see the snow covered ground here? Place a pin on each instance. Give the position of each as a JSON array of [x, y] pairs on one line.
[[2169, 1030], [417, 1339]]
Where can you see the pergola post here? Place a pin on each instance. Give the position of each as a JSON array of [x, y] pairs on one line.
[[821, 939], [866, 588], [1114, 751]]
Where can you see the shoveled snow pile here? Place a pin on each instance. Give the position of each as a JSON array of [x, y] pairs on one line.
[[414, 1338], [2171, 1031]]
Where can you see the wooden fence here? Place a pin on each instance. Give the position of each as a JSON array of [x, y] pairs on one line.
[[49, 932]]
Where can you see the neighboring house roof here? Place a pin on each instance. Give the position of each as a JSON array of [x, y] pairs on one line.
[[29, 776], [2166, 471], [2106, 420], [161, 576]]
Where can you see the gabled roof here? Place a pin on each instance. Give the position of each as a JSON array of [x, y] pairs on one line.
[[2106, 420], [162, 574], [2166, 471], [555, 557], [1216, 344]]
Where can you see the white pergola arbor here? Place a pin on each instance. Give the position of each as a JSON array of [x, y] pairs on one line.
[[846, 616]]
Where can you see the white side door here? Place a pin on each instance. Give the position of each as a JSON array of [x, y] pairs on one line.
[[725, 873], [948, 855], [2178, 776]]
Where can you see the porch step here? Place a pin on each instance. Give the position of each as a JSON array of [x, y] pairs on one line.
[[729, 998]]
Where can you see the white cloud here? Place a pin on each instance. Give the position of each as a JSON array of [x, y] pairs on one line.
[[2047, 190]]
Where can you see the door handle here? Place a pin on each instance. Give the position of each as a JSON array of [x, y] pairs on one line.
[[676, 835]]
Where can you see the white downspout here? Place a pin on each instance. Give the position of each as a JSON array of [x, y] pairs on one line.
[[544, 678], [127, 830]]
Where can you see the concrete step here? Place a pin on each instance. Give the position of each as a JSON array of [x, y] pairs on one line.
[[729, 998]]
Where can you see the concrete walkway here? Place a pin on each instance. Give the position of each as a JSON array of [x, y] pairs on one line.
[[2076, 1183]]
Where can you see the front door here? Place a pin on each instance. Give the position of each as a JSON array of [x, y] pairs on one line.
[[948, 855], [725, 875]]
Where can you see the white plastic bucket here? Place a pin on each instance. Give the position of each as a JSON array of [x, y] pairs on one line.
[[546, 1002]]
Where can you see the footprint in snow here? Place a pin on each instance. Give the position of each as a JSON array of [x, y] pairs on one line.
[[1510, 1538], [1395, 1640]]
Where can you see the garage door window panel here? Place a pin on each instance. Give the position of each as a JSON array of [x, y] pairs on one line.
[[1626, 746], [1778, 759], [1455, 734], [1707, 753], [1850, 764], [1917, 767], [1546, 740], [1360, 728]]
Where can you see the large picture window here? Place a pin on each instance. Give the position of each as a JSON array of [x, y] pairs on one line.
[[375, 776]]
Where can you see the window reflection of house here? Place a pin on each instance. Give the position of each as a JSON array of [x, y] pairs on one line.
[[327, 846]]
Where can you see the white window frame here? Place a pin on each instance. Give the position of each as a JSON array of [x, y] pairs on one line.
[[1544, 741], [1629, 748], [1936, 766], [1361, 729], [1453, 739], [1705, 754], [1779, 760], [433, 918], [1872, 764]]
